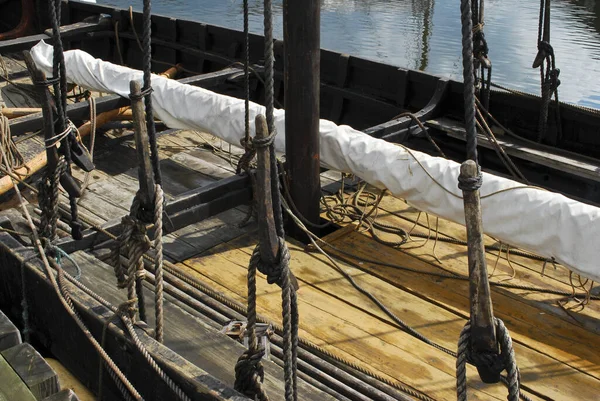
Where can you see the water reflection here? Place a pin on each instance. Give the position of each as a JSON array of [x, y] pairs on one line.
[[425, 34]]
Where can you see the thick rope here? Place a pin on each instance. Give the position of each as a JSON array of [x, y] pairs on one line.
[[66, 301], [549, 74], [468, 78], [60, 94], [250, 151], [133, 242], [48, 188], [505, 360], [249, 371], [147, 50], [269, 109], [158, 262]]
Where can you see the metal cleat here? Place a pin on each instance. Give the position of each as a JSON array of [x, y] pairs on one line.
[[237, 329]]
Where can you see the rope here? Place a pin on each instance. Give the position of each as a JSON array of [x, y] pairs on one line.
[[549, 81], [48, 188], [14, 159], [158, 262], [60, 96], [249, 371], [147, 88], [132, 242], [498, 362], [269, 109], [250, 151], [65, 299], [92, 103], [468, 77]]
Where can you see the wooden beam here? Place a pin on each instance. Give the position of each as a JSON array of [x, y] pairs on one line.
[[31, 367], [301, 31]]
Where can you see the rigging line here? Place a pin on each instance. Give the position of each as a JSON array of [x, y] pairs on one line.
[[65, 301], [401, 324], [147, 90]]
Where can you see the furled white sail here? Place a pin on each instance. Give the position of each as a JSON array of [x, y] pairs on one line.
[[539, 221]]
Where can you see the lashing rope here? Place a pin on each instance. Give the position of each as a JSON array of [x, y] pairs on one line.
[[249, 372]]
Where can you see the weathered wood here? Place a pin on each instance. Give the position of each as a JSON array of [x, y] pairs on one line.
[[577, 165], [301, 31], [145, 172], [64, 395], [190, 337], [9, 334], [52, 326], [483, 326], [269, 243], [12, 387], [35, 372]]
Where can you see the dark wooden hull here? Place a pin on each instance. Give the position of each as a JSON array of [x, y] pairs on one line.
[[367, 95]]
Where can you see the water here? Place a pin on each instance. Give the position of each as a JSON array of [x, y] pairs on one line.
[[425, 35]]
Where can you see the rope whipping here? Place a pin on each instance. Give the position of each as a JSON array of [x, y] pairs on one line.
[[488, 361], [60, 95], [249, 372], [546, 61]]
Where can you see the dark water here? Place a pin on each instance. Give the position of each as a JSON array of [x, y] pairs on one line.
[[425, 35]]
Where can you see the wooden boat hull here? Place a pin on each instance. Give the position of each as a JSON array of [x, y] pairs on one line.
[[364, 94]]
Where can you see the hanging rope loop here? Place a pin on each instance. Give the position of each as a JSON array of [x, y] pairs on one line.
[[277, 271], [492, 364]]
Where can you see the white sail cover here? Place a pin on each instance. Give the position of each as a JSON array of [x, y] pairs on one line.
[[539, 221]]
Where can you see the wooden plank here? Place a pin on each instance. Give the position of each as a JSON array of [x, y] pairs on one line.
[[431, 318], [526, 272], [569, 341], [581, 167], [330, 323], [35, 372], [535, 329], [11, 386], [56, 329], [9, 334], [189, 336]]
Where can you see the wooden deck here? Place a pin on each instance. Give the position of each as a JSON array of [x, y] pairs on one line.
[[557, 347]]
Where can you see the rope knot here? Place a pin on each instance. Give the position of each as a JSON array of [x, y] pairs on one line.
[[249, 374], [264, 142], [489, 365], [275, 272], [145, 92], [470, 183]]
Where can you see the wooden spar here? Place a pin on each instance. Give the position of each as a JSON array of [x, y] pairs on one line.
[[483, 327], [301, 30], [39, 161], [269, 243], [145, 175], [16, 112]]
